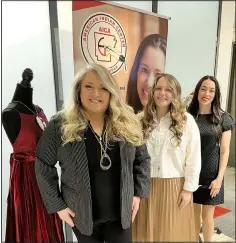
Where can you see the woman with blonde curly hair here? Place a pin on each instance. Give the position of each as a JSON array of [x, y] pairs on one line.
[[173, 142], [105, 166]]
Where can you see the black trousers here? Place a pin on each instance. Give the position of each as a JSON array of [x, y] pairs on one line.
[[111, 232]]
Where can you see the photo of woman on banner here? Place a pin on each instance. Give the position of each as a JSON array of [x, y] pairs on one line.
[[148, 63]]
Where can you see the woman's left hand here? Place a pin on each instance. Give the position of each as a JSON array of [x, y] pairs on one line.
[[215, 187], [135, 207]]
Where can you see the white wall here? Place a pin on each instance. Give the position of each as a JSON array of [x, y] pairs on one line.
[[26, 43], [66, 45], [227, 35], [0, 119], [191, 41]]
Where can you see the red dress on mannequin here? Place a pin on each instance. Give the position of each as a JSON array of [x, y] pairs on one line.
[[27, 218]]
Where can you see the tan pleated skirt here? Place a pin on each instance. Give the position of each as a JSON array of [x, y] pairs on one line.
[[159, 218]]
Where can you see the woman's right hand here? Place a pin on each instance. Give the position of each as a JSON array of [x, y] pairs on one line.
[[66, 215], [184, 199]]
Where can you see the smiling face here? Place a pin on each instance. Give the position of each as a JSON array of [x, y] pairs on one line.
[[163, 94], [206, 92], [94, 97], [151, 64]]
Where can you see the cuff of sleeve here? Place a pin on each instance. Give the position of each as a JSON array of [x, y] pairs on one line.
[[57, 206], [141, 194], [190, 186]]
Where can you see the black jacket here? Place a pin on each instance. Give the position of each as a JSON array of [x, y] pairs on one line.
[[75, 190]]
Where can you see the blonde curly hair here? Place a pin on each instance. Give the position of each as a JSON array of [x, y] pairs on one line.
[[122, 123], [177, 109]]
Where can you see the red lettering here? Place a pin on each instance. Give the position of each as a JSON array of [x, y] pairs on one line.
[[104, 30]]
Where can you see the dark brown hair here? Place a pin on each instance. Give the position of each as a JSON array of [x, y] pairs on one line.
[[215, 105], [132, 96]]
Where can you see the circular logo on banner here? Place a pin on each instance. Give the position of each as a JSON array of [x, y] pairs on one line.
[[103, 41]]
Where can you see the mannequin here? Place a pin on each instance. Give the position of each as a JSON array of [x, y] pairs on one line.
[[27, 218], [10, 115]]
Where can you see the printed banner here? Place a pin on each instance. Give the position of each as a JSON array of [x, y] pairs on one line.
[[130, 44]]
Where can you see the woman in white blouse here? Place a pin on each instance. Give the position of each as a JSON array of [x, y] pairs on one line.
[[173, 142]]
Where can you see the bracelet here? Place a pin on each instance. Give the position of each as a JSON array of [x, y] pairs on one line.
[[220, 177]]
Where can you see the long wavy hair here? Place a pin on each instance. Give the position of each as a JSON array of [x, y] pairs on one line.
[[132, 97], [177, 109], [216, 110], [122, 123]]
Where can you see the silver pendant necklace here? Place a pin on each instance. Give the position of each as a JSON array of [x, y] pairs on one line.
[[42, 124], [103, 150]]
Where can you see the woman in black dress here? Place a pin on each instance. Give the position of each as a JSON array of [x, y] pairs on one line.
[[215, 127]]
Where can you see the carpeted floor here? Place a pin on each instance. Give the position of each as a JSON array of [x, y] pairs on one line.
[[219, 211], [221, 238]]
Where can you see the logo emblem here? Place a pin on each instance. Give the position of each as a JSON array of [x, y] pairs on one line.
[[103, 41]]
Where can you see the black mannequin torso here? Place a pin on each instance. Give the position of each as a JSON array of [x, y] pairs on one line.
[[10, 115]]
